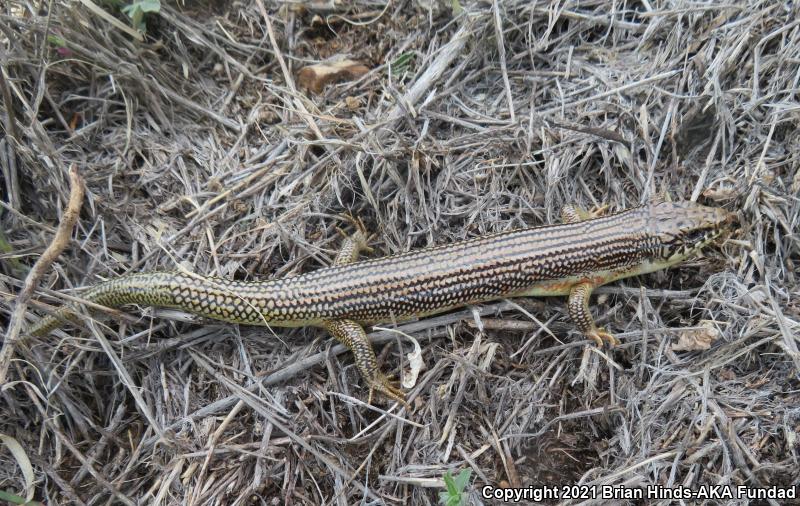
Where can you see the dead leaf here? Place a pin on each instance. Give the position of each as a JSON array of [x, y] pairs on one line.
[[721, 193], [316, 77], [414, 365], [727, 375], [352, 103], [697, 339]]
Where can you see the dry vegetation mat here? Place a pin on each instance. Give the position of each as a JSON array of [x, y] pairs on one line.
[[202, 146]]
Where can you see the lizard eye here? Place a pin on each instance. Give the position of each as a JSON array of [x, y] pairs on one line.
[[695, 236]]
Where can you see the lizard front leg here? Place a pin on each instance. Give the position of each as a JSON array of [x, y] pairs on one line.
[[574, 214]]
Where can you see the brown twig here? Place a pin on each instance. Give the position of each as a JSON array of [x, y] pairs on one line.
[[55, 248]]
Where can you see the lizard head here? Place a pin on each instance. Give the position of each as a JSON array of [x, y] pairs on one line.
[[682, 229]]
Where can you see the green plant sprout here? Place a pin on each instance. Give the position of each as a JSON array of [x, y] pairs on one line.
[[137, 9], [454, 495]]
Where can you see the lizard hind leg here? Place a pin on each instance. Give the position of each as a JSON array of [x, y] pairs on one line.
[[352, 335], [578, 306]]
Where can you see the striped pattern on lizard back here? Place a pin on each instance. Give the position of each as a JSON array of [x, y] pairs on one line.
[[420, 282]]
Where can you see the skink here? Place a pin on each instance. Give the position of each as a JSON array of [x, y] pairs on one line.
[[567, 259]]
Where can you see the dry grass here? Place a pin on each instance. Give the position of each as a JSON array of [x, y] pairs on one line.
[[197, 148]]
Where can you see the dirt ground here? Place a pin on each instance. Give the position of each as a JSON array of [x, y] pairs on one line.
[[202, 146]]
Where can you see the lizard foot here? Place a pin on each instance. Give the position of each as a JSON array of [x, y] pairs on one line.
[[601, 337], [381, 384]]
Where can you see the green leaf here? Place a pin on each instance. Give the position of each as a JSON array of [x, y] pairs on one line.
[[462, 480], [56, 40], [454, 496], [12, 498], [137, 20], [143, 6], [402, 62], [149, 5], [137, 10], [450, 484], [15, 499]]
